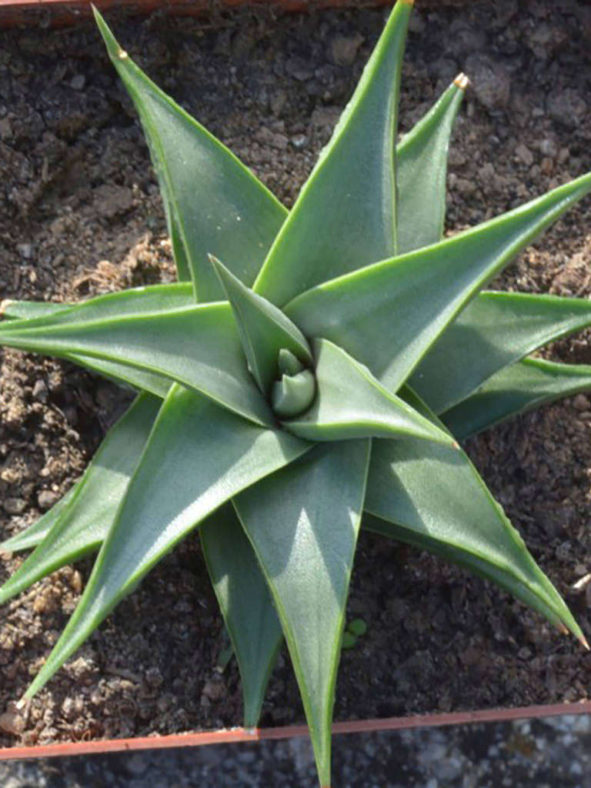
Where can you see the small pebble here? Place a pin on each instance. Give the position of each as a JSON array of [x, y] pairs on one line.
[[46, 499], [14, 505]]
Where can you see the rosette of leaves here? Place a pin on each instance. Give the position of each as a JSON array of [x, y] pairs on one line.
[[309, 374]]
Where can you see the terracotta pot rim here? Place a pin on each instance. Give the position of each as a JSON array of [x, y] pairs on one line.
[[242, 735]]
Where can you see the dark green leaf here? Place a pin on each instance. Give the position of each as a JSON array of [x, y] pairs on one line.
[[264, 329], [196, 345], [29, 310], [528, 384], [36, 533], [421, 172], [436, 494], [214, 204], [303, 524], [494, 331], [83, 524], [135, 302], [351, 403], [245, 603], [389, 314], [197, 457], [345, 215], [144, 300], [477, 566]]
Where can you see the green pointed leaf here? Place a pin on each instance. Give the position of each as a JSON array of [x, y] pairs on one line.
[[136, 301], [421, 172], [35, 533], [421, 293], [213, 203], [303, 524], [345, 215], [494, 331], [351, 403], [246, 605], [197, 457], [82, 526], [475, 565], [293, 394], [435, 492], [264, 330], [197, 346], [124, 375], [29, 310], [524, 386]]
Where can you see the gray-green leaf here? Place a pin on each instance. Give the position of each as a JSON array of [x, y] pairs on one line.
[[197, 457], [303, 524]]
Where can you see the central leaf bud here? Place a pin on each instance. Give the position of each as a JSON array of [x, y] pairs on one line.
[[294, 391]]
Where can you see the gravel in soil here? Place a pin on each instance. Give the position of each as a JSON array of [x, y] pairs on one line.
[[80, 215]]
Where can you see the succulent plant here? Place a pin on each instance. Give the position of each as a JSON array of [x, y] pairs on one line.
[[311, 373]]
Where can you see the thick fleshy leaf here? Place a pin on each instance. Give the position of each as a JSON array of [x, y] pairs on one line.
[[84, 523], [389, 314], [35, 533], [197, 457], [351, 403], [528, 384], [303, 524], [264, 329], [421, 172], [197, 346], [139, 379], [214, 204], [494, 331], [29, 310], [135, 302], [120, 373], [246, 605], [475, 565], [436, 493], [345, 215]]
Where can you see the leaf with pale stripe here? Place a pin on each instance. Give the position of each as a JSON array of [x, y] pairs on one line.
[[197, 346], [436, 493], [246, 605], [303, 524], [198, 456], [84, 523], [494, 331], [389, 314], [264, 329], [214, 204], [351, 403], [35, 533], [528, 384], [421, 172], [345, 215]]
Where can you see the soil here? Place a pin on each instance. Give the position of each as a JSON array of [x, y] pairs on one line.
[[81, 215]]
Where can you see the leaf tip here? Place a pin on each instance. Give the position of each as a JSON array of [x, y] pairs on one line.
[[4, 305], [461, 81], [582, 583], [584, 642]]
